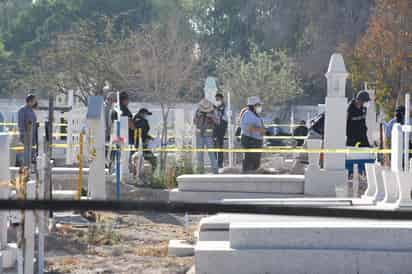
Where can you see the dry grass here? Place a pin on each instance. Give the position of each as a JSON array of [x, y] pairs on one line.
[[159, 250]]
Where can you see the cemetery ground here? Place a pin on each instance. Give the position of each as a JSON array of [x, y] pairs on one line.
[[132, 242]]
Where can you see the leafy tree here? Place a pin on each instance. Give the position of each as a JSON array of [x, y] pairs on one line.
[[383, 55], [83, 59], [163, 60], [268, 74]]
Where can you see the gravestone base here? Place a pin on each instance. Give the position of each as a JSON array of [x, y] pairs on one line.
[[213, 188], [9, 256], [323, 183], [294, 244]]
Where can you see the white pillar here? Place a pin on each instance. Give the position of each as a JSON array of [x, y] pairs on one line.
[[29, 231], [407, 131], [125, 155], [95, 119], [69, 129], [325, 182], [397, 148], [4, 187], [335, 119], [230, 129]]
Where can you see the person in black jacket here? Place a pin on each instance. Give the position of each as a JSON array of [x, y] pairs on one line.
[[142, 124], [220, 129], [356, 130]]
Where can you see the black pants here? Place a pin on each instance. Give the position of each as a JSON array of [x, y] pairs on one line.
[[251, 160], [219, 143]]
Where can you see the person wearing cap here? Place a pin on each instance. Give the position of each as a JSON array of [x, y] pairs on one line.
[[252, 133], [142, 125], [205, 121], [220, 129], [356, 130], [27, 115]]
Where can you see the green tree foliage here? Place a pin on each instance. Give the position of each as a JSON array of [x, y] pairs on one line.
[[268, 74]]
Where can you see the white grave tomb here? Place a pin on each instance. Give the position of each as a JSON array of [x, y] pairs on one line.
[[95, 120], [323, 182], [8, 251]]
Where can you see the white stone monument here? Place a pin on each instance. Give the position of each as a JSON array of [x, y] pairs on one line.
[[95, 121], [9, 253], [69, 127], [210, 89], [125, 154], [323, 182]]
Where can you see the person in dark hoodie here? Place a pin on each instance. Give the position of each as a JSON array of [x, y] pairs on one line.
[[141, 124], [220, 129], [356, 129]]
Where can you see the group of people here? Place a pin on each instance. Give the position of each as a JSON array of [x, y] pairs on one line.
[[138, 125], [211, 123]]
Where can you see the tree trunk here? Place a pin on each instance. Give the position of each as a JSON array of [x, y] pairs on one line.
[[164, 137]]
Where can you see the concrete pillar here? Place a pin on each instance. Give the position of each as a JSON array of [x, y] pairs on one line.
[[4, 187], [95, 120], [230, 132], [335, 119], [29, 231], [125, 155], [397, 148], [69, 139], [324, 182], [314, 144], [407, 131]]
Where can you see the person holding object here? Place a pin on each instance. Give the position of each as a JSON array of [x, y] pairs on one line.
[[27, 115], [253, 131], [205, 121], [220, 129], [356, 129]]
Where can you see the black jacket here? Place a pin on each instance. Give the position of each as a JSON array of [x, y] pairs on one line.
[[220, 129], [142, 124], [356, 130]]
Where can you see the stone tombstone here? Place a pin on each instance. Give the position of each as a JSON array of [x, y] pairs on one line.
[[96, 123], [336, 76], [335, 118], [210, 89]]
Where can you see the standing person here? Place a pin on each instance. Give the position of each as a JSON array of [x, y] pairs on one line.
[[26, 114], [206, 120], [300, 131], [142, 124], [253, 131], [356, 130], [124, 111], [220, 129]]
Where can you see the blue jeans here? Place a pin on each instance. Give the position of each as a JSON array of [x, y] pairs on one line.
[[206, 142]]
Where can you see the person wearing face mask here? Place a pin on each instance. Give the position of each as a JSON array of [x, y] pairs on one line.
[[252, 133], [220, 129], [356, 130]]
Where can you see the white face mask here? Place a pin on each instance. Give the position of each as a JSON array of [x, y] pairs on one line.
[[366, 105], [258, 109], [218, 103]]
